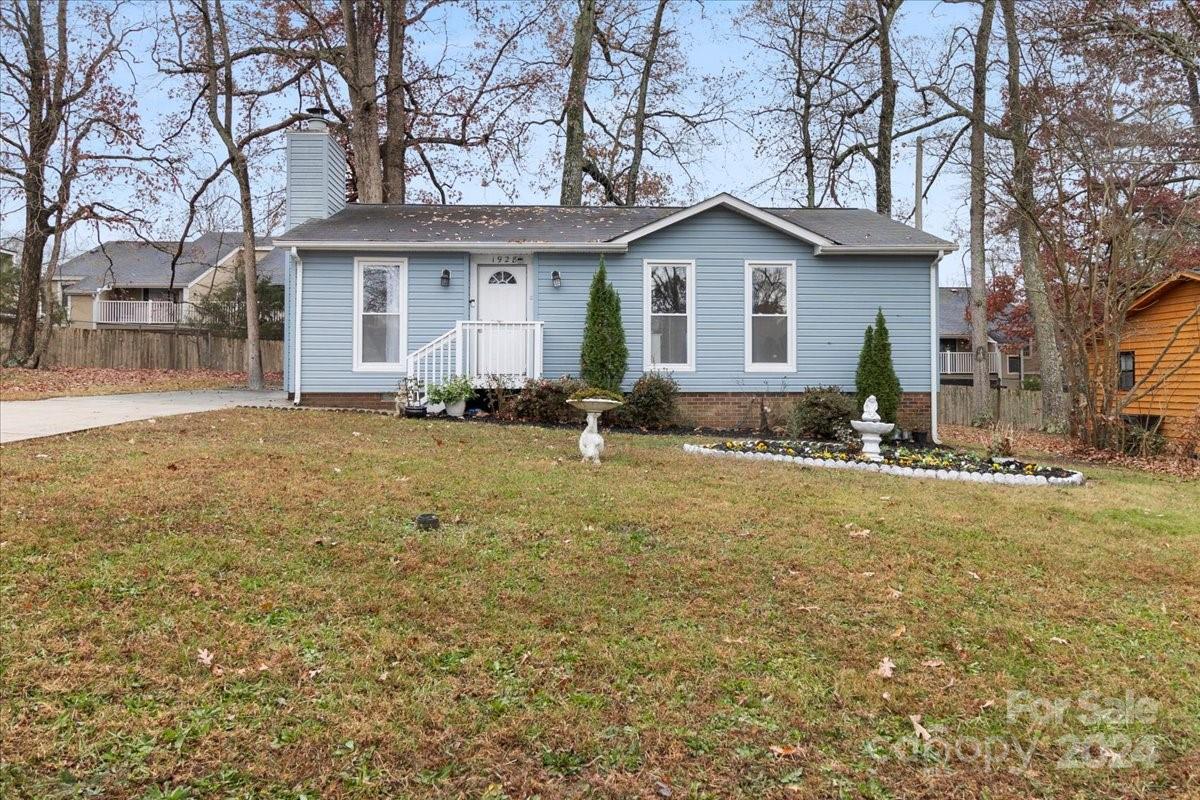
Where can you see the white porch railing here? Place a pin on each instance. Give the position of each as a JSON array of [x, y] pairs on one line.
[[964, 363], [510, 352], [139, 312]]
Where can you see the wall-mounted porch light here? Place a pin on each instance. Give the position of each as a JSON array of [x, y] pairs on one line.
[[555, 279], [445, 277]]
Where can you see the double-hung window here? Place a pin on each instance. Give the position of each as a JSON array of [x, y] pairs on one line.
[[770, 316], [380, 318], [670, 315], [1125, 367]]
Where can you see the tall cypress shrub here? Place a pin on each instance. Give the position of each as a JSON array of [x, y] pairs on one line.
[[876, 374], [889, 380], [862, 376], [603, 355]]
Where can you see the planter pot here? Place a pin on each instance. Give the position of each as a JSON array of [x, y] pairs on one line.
[[456, 408]]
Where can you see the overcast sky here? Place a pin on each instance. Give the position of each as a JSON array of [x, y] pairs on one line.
[[714, 49]]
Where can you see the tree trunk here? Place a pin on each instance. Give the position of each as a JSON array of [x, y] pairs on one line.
[[44, 117], [1055, 408], [981, 377], [571, 193], [639, 119], [882, 162], [361, 87], [395, 143], [254, 372]]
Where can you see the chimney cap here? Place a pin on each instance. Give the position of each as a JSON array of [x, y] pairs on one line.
[[316, 111]]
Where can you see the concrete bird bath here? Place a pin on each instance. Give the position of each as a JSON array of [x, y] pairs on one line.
[[871, 429], [591, 443]]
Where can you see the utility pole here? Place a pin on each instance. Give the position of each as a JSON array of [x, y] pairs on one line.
[[919, 180]]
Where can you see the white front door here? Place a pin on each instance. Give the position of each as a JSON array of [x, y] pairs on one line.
[[502, 295]]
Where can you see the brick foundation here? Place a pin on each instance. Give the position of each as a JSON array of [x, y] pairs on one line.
[[731, 410], [373, 400], [745, 410]]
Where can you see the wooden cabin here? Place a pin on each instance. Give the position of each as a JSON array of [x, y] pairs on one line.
[[1165, 321]]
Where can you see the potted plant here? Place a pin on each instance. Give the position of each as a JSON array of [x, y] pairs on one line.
[[410, 392], [454, 394]]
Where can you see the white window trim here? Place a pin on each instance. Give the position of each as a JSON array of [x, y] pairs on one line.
[[790, 365], [648, 265], [380, 366]]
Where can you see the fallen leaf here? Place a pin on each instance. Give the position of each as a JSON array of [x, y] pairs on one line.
[[785, 751], [974, 575], [896, 634], [662, 789], [933, 663], [204, 657], [920, 730], [894, 593], [866, 574], [886, 668], [1058, 640], [986, 704]]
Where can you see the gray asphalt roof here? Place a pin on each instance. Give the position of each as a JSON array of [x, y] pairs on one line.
[[138, 263], [592, 224], [952, 311], [952, 315]]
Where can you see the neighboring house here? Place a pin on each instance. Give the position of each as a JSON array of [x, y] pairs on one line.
[[734, 301], [1158, 359], [9, 278], [1010, 361], [129, 283]]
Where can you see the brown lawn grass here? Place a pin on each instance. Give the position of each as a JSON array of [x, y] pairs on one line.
[[39, 384], [661, 621]]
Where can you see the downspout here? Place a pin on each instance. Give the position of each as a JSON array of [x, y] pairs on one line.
[[934, 375], [296, 326]]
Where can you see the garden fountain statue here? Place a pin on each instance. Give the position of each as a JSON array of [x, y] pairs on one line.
[[871, 429], [591, 443]]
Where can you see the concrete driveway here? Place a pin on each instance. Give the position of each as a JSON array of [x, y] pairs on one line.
[[31, 419]]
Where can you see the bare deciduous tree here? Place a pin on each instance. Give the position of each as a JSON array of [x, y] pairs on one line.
[[68, 132]]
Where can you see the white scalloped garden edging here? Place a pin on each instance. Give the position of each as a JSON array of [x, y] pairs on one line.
[[1075, 479]]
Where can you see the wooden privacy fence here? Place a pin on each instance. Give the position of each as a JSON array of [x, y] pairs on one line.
[[1021, 408], [141, 349]]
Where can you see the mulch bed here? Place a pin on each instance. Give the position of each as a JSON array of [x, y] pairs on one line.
[[1065, 448]]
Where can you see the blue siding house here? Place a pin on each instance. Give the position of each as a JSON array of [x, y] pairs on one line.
[[737, 302]]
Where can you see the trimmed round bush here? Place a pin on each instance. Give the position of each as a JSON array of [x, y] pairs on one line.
[[822, 413], [652, 404]]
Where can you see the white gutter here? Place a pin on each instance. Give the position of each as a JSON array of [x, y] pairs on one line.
[[451, 247], [938, 250], [296, 326], [934, 376]]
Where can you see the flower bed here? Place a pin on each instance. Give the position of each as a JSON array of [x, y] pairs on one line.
[[940, 464]]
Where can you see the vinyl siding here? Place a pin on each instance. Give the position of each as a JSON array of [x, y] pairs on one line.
[[327, 321], [836, 298], [316, 176]]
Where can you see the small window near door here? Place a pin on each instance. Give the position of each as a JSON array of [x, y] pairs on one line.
[[1125, 368], [502, 277], [379, 306], [1014, 365]]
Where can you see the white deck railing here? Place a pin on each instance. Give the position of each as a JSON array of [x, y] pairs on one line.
[[964, 363], [139, 312], [509, 352]]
